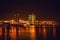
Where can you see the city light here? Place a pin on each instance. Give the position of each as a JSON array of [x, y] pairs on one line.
[[30, 21]]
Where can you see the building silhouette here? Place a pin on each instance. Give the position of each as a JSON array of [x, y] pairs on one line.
[[32, 18]]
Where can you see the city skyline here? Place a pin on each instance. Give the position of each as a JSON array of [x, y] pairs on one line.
[[29, 19], [44, 10], [17, 15]]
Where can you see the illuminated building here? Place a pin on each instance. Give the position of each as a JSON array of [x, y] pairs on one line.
[[48, 22], [31, 18], [13, 22]]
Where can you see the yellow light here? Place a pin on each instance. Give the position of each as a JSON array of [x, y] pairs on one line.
[[12, 21], [6, 21]]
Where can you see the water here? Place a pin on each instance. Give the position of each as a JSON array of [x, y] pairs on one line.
[[32, 33]]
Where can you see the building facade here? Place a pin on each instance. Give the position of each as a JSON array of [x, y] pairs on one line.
[[31, 18]]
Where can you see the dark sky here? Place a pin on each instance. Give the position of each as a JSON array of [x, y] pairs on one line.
[[44, 10]]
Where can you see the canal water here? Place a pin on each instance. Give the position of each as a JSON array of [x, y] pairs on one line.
[[31, 33]]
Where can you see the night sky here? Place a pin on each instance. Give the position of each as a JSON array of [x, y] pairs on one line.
[[44, 10]]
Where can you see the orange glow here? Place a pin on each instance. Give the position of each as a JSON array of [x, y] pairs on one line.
[[13, 22], [20, 30], [44, 32], [13, 33], [32, 32], [32, 26], [32, 29], [48, 22], [25, 25], [26, 29], [0, 31], [54, 32]]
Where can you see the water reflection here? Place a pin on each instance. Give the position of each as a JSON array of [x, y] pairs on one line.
[[0, 31], [44, 32], [12, 33], [31, 33], [54, 32]]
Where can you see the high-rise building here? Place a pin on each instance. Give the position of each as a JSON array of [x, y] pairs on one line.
[[31, 18]]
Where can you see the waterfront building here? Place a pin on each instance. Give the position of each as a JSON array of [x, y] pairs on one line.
[[31, 18]]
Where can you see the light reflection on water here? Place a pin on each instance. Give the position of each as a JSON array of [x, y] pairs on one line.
[[54, 33], [12, 33], [44, 32], [0, 31], [31, 33]]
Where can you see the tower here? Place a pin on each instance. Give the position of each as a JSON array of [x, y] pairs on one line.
[[31, 18]]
